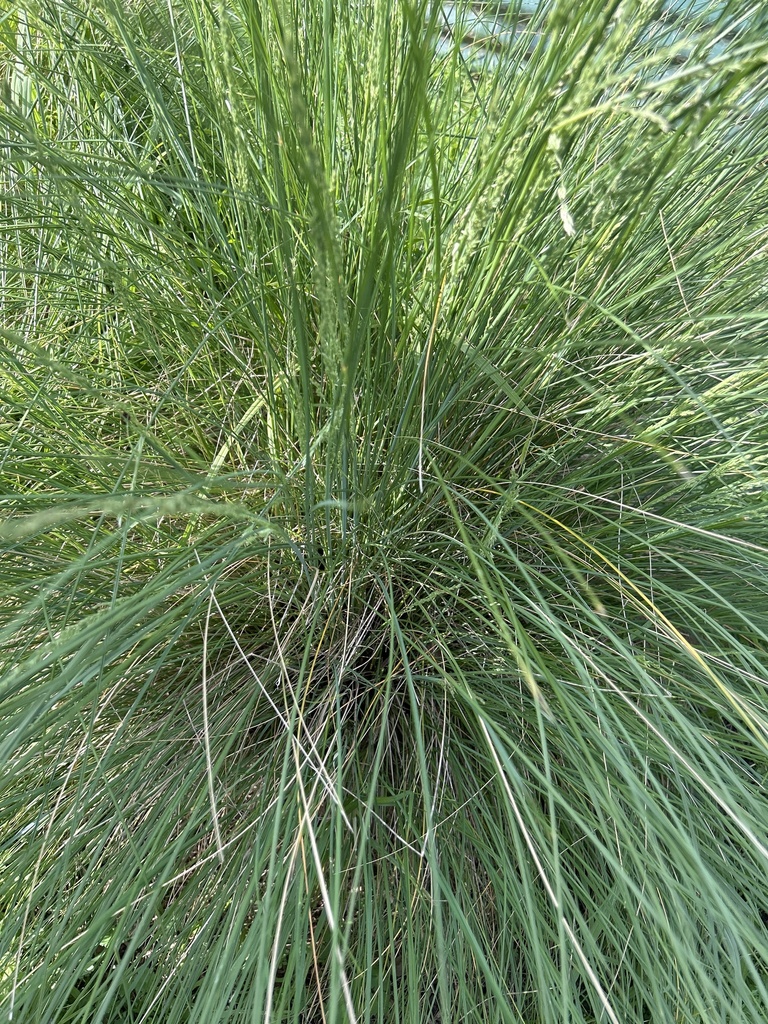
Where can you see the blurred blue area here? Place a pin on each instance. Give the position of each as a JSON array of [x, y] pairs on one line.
[[484, 29]]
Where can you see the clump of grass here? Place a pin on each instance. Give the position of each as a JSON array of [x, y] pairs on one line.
[[383, 457]]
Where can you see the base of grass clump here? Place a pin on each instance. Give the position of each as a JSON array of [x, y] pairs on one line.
[[383, 469]]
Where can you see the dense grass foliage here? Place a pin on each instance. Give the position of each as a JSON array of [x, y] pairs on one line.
[[384, 580]]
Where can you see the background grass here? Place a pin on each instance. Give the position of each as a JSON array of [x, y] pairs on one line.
[[383, 448]]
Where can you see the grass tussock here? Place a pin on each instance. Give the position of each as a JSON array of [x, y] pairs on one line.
[[384, 580]]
